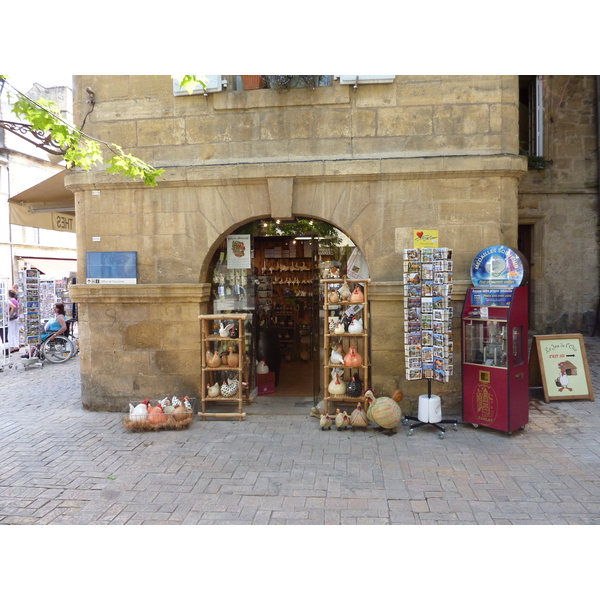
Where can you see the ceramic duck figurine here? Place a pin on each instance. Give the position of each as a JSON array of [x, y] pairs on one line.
[[337, 386], [224, 329], [213, 360], [344, 291], [212, 390], [356, 326], [357, 295], [325, 421], [233, 358], [336, 358], [353, 358]]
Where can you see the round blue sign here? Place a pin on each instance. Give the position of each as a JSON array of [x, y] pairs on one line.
[[499, 267]]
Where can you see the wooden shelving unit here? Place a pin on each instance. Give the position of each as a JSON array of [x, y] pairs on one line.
[[211, 341], [359, 341]]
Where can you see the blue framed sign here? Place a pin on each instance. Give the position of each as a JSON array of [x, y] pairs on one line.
[[111, 267], [499, 267]]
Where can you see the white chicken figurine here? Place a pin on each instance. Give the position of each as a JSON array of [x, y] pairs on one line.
[[341, 419], [325, 422], [224, 329], [212, 390], [337, 386], [384, 412], [336, 358], [139, 412], [356, 327]]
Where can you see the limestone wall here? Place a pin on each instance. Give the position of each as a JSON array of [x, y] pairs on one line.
[[378, 162], [561, 203]]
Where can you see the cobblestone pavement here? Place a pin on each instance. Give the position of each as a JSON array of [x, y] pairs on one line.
[[63, 465]]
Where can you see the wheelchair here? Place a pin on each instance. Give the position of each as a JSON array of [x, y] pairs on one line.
[[62, 347]]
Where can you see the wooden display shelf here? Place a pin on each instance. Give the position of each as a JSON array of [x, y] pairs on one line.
[[208, 339], [361, 344]]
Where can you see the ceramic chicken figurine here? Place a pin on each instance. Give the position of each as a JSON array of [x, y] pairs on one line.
[[333, 297], [262, 368], [336, 358], [384, 412], [357, 295], [339, 328], [341, 420], [156, 415], [213, 360], [355, 387], [344, 291], [229, 388], [358, 418], [139, 412], [224, 329], [212, 390], [356, 326], [167, 405], [325, 422], [353, 358], [337, 386]]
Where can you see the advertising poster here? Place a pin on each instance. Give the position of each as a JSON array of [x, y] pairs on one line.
[[426, 238], [111, 267], [238, 252], [559, 363], [499, 267]]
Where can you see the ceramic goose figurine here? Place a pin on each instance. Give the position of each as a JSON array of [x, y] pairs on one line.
[[224, 329]]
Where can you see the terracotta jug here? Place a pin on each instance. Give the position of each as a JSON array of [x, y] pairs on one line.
[[353, 358], [357, 295]]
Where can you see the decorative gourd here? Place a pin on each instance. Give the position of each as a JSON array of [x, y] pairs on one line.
[[353, 358], [156, 415], [233, 358], [357, 295], [358, 417], [355, 387], [337, 386]]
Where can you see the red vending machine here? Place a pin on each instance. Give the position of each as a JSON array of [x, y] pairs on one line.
[[495, 372]]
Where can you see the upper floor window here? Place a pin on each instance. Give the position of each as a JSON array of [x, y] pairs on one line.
[[531, 115]]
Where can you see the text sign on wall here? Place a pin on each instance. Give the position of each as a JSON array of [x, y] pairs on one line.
[[559, 364], [111, 267]]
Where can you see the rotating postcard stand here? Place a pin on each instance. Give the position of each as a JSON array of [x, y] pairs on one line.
[[428, 329]]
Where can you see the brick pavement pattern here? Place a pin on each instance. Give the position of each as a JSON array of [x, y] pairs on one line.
[[63, 465]]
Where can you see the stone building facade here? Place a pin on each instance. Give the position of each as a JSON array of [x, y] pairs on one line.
[[377, 161]]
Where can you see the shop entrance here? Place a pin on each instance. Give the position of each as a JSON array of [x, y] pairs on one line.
[[279, 288]]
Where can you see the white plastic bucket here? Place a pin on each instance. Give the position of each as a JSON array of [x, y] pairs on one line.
[[430, 409]]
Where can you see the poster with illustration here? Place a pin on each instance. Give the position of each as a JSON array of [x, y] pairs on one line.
[[238, 252], [559, 364]]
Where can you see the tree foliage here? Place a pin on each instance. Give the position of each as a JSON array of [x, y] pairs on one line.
[[80, 149]]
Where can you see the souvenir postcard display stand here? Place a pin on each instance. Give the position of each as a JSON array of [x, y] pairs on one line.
[[494, 341], [428, 329]]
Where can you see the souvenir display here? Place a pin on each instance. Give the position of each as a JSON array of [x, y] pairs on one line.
[[428, 313]]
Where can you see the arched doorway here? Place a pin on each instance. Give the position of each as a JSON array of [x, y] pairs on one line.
[[279, 288]]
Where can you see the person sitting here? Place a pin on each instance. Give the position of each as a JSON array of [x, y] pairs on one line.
[[57, 325]]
